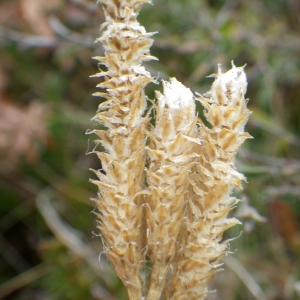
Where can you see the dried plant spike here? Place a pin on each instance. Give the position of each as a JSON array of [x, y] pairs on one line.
[[178, 221], [212, 181], [171, 156], [121, 179]]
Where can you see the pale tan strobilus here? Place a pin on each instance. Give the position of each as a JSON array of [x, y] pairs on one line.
[[164, 189]]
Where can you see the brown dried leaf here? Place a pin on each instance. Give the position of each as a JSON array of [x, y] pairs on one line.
[[284, 222], [34, 13], [20, 129]]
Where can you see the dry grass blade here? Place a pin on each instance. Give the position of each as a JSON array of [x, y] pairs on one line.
[[23, 279], [246, 277], [69, 237]]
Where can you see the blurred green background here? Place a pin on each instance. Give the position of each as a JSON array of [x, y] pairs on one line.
[[49, 244]]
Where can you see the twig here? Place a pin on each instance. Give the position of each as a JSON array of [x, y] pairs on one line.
[[276, 131], [283, 190], [285, 166], [90, 7], [69, 35], [27, 41]]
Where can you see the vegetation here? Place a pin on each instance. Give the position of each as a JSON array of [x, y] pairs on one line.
[[49, 244]]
